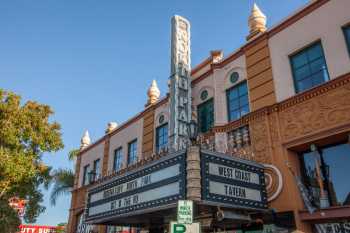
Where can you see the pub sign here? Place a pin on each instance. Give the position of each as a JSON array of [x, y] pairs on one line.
[[232, 182]]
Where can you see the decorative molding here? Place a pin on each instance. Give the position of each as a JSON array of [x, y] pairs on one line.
[[193, 170], [260, 140], [274, 181], [296, 100], [311, 116], [203, 64], [105, 156]]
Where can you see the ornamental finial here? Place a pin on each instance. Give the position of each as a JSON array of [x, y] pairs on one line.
[[85, 140], [153, 93], [111, 126], [256, 21]]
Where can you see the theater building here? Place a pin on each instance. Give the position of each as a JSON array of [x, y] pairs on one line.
[[273, 117]]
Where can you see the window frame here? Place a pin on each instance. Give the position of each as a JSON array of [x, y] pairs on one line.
[[238, 98], [320, 150], [346, 38], [206, 102], [299, 51], [96, 175], [85, 174], [115, 158], [129, 150], [157, 138]]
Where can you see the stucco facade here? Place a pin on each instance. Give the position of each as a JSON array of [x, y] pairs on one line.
[[324, 24], [281, 125], [121, 140]]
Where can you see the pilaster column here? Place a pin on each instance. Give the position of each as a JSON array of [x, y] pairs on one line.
[[193, 173]]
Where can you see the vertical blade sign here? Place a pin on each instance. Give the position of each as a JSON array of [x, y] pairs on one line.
[[180, 83]]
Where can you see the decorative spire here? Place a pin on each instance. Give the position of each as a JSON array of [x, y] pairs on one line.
[[85, 140], [111, 126], [153, 93], [256, 22]]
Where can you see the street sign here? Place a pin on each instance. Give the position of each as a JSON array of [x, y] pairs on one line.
[[185, 211], [232, 182], [153, 186], [176, 227]]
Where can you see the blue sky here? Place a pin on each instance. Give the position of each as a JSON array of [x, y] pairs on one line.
[[92, 61]]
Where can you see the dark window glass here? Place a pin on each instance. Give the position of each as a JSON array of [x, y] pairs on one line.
[[161, 137], [118, 159], [234, 77], [309, 67], [346, 31], [206, 115], [237, 101], [97, 169], [86, 174], [132, 152], [329, 167]]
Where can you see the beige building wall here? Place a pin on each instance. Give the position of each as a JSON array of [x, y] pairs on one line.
[[205, 84], [161, 110], [88, 157], [216, 84], [222, 83], [122, 138], [325, 24]]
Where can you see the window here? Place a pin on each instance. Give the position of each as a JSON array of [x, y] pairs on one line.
[[118, 159], [206, 115], [346, 31], [328, 168], [234, 77], [309, 68], [132, 152], [237, 101], [86, 175], [204, 95], [161, 137], [97, 169]]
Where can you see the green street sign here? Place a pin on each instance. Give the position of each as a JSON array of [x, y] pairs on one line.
[[185, 212], [176, 227]]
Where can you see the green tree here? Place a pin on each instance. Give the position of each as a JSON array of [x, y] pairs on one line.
[[63, 180], [26, 133]]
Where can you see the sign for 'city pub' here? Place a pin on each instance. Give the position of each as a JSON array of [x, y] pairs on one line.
[[143, 190], [232, 182]]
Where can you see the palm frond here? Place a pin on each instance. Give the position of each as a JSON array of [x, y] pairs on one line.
[[63, 183], [73, 154]]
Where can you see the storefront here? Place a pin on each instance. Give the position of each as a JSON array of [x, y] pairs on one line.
[[229, 195]]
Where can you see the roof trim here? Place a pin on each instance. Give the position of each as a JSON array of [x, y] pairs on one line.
[[126, 124], [201, 65], [295, 17]]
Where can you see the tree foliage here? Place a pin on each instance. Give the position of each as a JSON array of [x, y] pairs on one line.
[[63, 180], [73, 154], [9, 220], [26, 134]]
